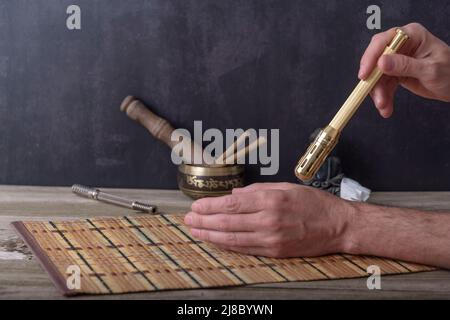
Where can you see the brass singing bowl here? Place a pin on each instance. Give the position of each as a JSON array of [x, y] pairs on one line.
[[202, 181]]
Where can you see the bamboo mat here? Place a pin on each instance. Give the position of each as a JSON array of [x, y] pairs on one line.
[[151, 253]]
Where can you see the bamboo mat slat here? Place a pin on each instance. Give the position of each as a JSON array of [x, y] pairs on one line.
[[152, 253]]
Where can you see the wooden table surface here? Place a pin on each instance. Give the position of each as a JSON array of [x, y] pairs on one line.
[[21, 277]]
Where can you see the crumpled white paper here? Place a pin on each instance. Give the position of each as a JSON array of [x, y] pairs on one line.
[[353, 191]]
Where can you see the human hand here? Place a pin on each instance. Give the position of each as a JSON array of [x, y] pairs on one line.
[[274, 220], [424, 69]]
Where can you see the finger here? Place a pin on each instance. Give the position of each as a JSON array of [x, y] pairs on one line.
[[391, 88], [265, 186], [254, 251], [417, 34], [415, 86], [224, 222], [383, 95], [238, 239], [373, 52], [379, 94], [401, 66], [417, 37], [234, 203]]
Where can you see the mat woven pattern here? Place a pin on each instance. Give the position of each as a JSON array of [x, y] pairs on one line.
[[151, 253]]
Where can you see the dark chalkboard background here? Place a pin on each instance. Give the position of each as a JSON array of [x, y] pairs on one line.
[[235, 63]]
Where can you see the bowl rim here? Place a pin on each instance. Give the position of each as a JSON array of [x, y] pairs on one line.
[[199, 170]]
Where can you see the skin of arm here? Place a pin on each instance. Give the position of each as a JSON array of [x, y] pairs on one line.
[[400, 233], [287, 220]]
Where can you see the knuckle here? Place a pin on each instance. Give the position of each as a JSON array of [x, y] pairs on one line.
[[416, 29], [283, 196], [231, 239], [378, 37], [269, 202], [434, 70], [275, 199], [197, 220], [375, 37], [196, 206], [274, 223], [403, 66], [265, 222], [223, 223], [231, 204], [257, 185], [286, 185], [275, 241], [415, 26], [204, 235]]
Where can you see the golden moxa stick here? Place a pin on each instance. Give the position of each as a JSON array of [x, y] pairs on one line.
[[328, 137]]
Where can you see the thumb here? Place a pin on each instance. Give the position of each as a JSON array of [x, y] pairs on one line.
[[400, 66]]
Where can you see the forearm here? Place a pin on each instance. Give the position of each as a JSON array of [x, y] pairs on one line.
[[405, 234]]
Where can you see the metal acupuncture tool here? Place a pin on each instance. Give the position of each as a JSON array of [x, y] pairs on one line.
[[328, 137], [96, 194]]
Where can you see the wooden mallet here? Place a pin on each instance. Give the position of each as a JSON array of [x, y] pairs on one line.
[[158, 127]]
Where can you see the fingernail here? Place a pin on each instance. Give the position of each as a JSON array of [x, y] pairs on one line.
[[188, 219], [386, 113]]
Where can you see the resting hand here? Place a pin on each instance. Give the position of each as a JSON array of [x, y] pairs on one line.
[[423, 70], [273, 220]]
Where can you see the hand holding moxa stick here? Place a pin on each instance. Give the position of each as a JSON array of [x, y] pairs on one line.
[[328, 137]]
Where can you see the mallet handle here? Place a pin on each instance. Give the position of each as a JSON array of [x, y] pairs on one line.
[[160, 128]]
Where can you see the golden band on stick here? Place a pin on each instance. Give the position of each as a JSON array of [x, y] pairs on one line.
[[328, 137]]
